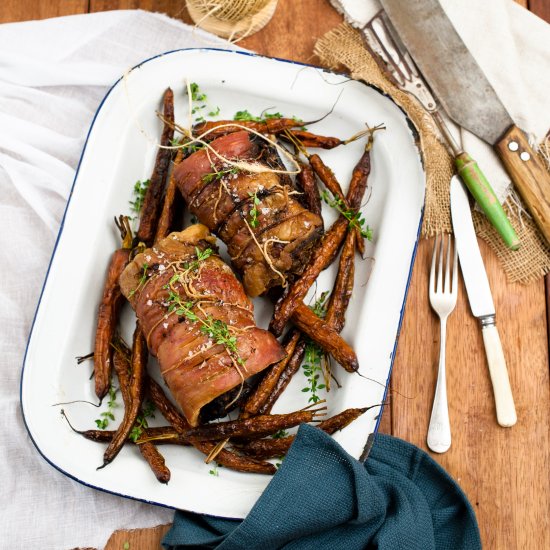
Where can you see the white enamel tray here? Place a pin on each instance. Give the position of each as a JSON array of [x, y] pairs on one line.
[[120, 149]]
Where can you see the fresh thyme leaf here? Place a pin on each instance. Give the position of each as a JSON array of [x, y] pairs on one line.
[[314, 354], [280, 434], [355, 219], [216, 112], [253, 212], [140, 189], [142, 280], [107, 416], [141, 423], [196, 94], [217, 175], [246, 116]]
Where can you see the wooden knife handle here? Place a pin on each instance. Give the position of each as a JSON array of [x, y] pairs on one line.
[[528, 174]]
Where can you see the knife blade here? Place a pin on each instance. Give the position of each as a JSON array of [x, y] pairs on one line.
[[469, 98], [394, 60], [481, 301]]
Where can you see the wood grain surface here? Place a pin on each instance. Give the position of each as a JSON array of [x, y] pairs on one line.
[[504, 471]]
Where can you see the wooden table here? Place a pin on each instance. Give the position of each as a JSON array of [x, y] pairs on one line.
[[504, 472]]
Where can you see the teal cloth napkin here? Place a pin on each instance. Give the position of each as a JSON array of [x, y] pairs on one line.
[[323, 498]]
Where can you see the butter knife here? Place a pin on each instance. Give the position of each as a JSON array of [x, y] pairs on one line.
[[481, 301]]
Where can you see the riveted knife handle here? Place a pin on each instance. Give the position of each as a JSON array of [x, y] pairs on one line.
[[504, 400], [528, 174], [483, 193]]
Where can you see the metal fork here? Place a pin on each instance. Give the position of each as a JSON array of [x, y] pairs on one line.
[[392, 57], [443, 295]]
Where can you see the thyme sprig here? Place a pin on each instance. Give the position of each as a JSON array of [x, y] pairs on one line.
[[219, 174], [216, 330], [355, 219], [141, 423], [142, 280], [108, 415], [140, 189], [201, 256], [246, 116], [253, 213], [280, 434], [314, 354], [200, 97]]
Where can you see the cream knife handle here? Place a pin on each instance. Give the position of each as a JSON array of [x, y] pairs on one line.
[[504, 400]]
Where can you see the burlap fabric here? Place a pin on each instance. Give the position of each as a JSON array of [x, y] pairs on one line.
[[231, 19], [343, 46]]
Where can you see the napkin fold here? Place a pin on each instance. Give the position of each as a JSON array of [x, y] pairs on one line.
[[322, 497]]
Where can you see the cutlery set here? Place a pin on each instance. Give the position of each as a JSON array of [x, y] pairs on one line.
[[420, 51]]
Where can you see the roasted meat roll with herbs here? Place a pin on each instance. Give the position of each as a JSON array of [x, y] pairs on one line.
[[269, 235], [196, 318]]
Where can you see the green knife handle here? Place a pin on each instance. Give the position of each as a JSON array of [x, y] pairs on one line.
[[479, 187]]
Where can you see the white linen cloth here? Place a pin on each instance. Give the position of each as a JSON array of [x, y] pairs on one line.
[[53, 75], [512, 46]]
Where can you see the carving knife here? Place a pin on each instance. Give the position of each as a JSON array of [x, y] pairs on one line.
[[468, 97], [481, 301]]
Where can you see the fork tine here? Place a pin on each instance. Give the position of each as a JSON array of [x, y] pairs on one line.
[[448, 266], [432, 269], [455, 270], [439, 287]]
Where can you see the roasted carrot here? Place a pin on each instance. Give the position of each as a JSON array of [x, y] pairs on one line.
[[269, 448], [109, 307], [343, 286], [329, 244], [308, 139], [326, 252], [262, 391], [155, 460], [159, 434], [324, 335], [284, 379], [122, 364], [257, 426], [307, 184], [224, 457], [150, 210], [139, 365], [170, 203], [213, 129]]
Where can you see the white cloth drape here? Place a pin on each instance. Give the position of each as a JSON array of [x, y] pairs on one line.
[[53, 75]]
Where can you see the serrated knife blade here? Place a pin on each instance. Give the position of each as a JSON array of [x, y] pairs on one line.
[[481, 301]]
